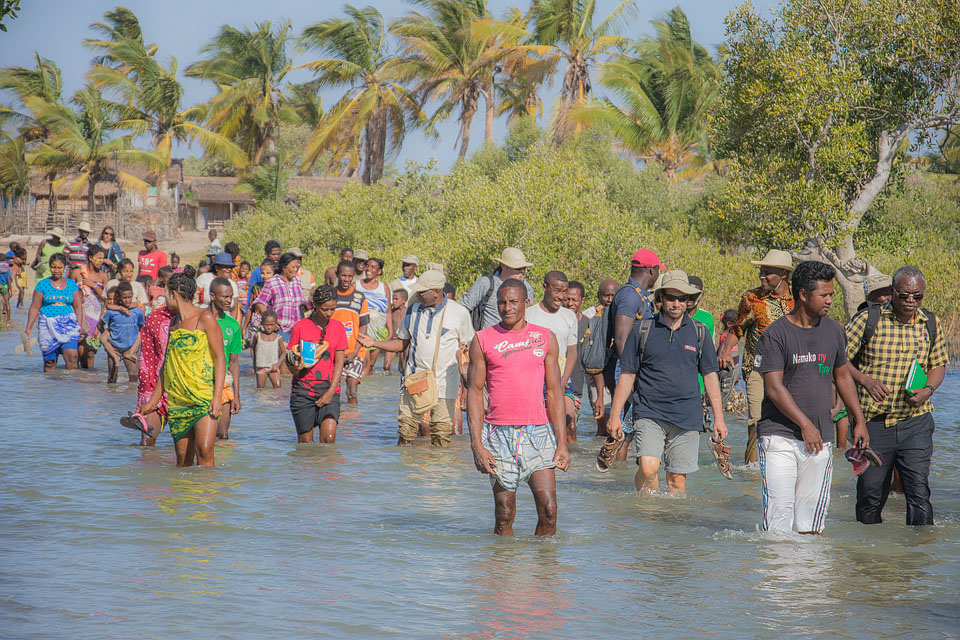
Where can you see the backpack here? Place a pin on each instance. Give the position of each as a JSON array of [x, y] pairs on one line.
[[594, 350], [874, 311], [647, 323], [610, 322], [476, 314]]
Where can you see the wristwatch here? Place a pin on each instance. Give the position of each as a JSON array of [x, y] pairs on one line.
[[930, 386]]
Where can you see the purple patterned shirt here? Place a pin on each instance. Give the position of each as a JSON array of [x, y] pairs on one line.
[[284, 298]]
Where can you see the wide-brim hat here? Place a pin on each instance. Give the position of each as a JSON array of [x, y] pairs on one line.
[[429, 280], [513, 258], [57, 232], [876, 281], [676, 279], [84, 226], [223, 259], [777, 259]]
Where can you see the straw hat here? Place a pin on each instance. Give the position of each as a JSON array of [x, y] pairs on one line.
[[513, 258], [84, 226], [676, 279], [777, 259], [56, 232], [876, 281]]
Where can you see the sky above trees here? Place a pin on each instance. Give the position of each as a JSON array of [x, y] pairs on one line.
[[56, 29]]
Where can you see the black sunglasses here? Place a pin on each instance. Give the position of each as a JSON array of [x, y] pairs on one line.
[[906, 295], [669, 297]]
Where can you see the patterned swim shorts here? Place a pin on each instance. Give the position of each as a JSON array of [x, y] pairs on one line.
[[519, 450]]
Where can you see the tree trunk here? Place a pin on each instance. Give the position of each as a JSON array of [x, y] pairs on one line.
[[375, 147], [468, 109], [489, 95], [91, 199], [576, 88], [52, 201]]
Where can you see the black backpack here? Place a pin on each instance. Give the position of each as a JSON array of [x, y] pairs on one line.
[[476, 314], [594, 350], [647, 323], [873, 320]]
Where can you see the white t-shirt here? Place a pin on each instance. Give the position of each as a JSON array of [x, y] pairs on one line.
[[204, 280], [140, 296], [563, 325], [457, 332], [407, 283]]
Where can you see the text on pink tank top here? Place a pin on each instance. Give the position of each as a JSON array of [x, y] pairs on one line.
[[515, 366]]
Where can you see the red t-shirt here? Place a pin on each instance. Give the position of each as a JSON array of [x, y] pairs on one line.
[[314, 381], [150, 262]]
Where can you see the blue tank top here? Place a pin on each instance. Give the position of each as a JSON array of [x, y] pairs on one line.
[[56, 302]]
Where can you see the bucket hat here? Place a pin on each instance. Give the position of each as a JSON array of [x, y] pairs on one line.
[[513, 258]]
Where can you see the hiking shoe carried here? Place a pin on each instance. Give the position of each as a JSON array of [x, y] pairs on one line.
[[608, 452]]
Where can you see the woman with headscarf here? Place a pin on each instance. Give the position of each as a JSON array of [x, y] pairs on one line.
[[193, 375], [112, 254], [57, 309]]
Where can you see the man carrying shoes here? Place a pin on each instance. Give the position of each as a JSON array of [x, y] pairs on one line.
[[663, 356]]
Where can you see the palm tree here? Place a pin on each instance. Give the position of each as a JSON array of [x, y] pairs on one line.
[[43, 81], [566, 26], [14, 170], [375, 107], [665, 91], [452, 64], [248, 68], [84, 139], [150, 95]]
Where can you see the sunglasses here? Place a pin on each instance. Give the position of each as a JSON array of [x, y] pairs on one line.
[[108, 233], [669, 297], [906, 295]]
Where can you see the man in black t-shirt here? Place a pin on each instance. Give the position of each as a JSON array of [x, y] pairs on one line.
[[800, 355]]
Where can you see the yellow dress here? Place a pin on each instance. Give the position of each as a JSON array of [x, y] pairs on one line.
[[187, 379]]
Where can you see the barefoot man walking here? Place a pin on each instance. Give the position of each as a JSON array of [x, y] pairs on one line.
[[517, 439]]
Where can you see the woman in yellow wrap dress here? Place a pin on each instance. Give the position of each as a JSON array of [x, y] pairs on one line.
[[193, 373]]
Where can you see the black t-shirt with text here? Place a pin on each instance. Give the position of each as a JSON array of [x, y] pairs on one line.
[[807, 357]]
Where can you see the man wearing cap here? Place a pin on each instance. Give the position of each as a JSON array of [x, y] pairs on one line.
[[77, 250], [360, 257], [482, 296], [758, 309], [631, 303], [151, 258], [435, 329], [408, 267], [48, 247], [877, 288], [221, 268], [668, 412]]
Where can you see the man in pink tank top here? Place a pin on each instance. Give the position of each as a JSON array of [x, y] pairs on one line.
[[520, 437]]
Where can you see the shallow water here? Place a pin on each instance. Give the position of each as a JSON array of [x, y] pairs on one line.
[[101, 538]]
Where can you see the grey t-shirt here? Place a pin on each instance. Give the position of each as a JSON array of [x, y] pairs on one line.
[[807, 358], [474, 297]]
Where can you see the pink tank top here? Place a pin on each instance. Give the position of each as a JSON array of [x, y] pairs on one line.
[[515, 374]]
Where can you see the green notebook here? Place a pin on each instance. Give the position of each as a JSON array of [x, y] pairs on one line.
[[916, 378]]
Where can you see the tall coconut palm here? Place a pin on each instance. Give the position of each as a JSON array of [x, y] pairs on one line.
[[451, 64], [664, 92], [150, 95], [14, 170], [84, 138], [375, 108], [568, 28], [43, 81], [248, 68]]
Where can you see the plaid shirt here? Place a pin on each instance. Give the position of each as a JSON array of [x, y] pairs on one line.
[[284, 298], [757, 310], [888, 356]]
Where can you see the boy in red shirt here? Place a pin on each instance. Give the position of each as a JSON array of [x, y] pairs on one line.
[[151, 258]]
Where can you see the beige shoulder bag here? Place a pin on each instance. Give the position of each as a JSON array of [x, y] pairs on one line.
[[422, 385]]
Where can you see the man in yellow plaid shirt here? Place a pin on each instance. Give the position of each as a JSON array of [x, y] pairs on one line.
[[900, 423]]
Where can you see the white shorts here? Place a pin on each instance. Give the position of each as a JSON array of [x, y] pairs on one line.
[[795, 486]]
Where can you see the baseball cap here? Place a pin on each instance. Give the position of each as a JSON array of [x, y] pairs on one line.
[[295, 251], [361, 254], [150, 235], [876, 281], [410, 259], [646, 258]]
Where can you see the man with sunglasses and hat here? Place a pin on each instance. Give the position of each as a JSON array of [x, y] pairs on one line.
[[77, 250], [481, 299], [660, 360], [899, 422], [758, 309]]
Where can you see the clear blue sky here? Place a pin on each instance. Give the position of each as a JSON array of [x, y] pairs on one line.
[[56, 28]]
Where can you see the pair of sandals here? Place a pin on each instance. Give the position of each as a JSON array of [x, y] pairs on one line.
[[862, 457], [137, 422]]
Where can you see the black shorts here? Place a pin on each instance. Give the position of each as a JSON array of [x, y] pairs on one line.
[[307, 416]]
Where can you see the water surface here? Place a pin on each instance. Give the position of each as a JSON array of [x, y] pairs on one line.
[[100, 538]]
